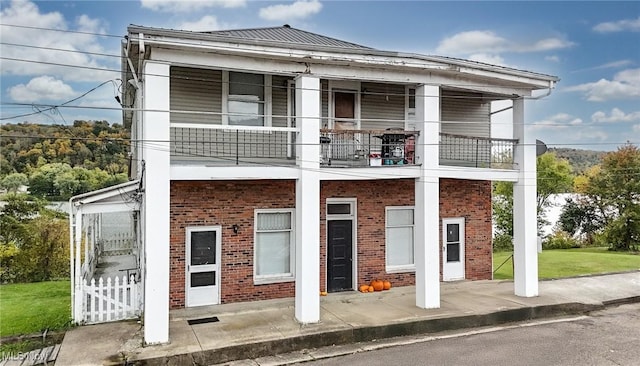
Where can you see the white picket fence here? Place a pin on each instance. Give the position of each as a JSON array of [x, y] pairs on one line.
[[111, 300], [119, 244]]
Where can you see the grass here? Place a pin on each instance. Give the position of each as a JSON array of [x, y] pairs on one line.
[[560, 263], [27, 308]]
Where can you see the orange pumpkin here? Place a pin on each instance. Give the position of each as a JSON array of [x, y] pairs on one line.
[[378, 285], [371, 289], [364, 288], [386, 285]]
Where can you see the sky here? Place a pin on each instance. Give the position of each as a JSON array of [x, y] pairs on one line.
[[593, 47]]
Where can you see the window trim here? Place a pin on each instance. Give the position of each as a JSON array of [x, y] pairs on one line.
[[276, 278], [268, 98], [398, 268]]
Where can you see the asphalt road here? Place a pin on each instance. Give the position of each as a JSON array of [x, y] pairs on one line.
[[609, 337]]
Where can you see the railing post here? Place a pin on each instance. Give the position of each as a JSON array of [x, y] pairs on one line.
[[237, 147]]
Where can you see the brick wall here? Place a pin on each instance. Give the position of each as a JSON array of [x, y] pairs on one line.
[[225, 203], [202, 203]]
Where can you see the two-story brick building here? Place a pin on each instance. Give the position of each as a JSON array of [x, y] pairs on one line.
[[276, 162]]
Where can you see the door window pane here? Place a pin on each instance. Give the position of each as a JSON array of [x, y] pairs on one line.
[[453, 232], [200, 279], [339, 209], [453, 252], [203, 247]]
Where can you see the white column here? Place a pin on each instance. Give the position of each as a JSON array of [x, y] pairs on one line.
[[525, 254], [155, 152], [307, 299], [427, 198], [77, 306]]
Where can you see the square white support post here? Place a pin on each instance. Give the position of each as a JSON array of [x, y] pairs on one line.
[[307, 264], [155, 206], [427, 198], [77, 271], [525, 253]]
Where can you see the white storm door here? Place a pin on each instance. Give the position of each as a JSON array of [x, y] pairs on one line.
[[453, 249], [203, 249]]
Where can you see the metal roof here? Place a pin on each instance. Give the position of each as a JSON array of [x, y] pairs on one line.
[[286, 34]]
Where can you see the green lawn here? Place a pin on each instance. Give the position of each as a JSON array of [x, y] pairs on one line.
[[27, 308], [559, 263]]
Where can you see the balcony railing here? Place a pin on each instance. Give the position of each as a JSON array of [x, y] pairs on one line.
[[361, 148], [248, 145], [478, 152], [233, 145]]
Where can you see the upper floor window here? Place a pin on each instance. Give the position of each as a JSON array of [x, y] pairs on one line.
[[247, 99]]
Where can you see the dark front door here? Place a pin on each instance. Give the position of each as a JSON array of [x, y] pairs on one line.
[[339, 255]]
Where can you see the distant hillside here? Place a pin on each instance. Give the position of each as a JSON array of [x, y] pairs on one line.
[[86, 144], [579, 159]]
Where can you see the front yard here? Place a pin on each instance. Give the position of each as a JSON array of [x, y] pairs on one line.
[[28, 308], [559, 263]]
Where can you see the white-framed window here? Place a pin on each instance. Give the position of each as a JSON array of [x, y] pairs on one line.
[[410, 108], [246, 99], [274, 245], [399, 238]]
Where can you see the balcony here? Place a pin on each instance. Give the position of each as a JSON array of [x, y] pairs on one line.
[[218, 145], [363, 148], [476, 152]]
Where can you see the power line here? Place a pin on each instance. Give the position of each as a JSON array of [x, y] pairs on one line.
[[60, 30]]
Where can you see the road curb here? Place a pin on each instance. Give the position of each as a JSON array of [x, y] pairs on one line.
[[268, 349]]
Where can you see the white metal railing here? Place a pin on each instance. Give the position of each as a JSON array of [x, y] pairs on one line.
[[109, 300]]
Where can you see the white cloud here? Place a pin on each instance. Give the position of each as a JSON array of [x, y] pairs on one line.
[[625, 85], [559, 121], [41, 88], [636, 128], [632, 25], [206, 23], [608, 65], [298, 10], [472, 42], [488, 59], [615, 116], [22, 12], [552, 58], [488, 42], [186, 6]]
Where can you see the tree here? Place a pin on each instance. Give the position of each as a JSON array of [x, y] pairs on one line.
[[14, 181], [553, 176], [613, 190], [34, 241]]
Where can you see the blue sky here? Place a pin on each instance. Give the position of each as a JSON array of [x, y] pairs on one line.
[[594, 47]]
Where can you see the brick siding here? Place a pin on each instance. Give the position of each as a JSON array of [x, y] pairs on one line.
[[225, 203]]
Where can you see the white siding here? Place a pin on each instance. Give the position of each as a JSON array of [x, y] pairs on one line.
[[382, 106], [279, 100], [460, 107], [197, 90], [324, 90]]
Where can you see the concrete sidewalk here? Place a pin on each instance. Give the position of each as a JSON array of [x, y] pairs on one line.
[[265, 328]]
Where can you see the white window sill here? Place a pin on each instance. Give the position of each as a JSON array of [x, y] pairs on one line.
[[401, 269], [269, 280]]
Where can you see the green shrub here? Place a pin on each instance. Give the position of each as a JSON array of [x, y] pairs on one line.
[[502, 243], [560, 240]]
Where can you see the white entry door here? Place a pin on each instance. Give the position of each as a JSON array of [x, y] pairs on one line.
[[453, 249], [202, 274]]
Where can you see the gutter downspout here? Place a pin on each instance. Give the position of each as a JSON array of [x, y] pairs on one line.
[[549, 89]]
